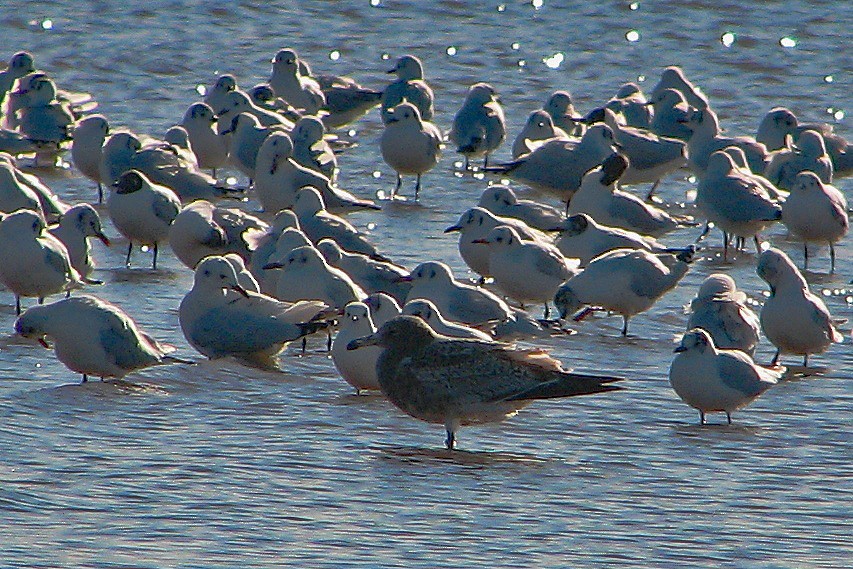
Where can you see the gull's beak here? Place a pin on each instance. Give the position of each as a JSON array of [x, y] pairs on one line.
[[371, 340], [392, 118], [404, 279], [616, 145], [43, 342], [104, 239], [679, 349], [481, 241], [269, 266], [240, 289], [648, 104], [453, 228], [391, 71]]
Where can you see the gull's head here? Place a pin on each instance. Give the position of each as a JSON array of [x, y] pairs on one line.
[[225, 84], [287, 241], [21, 63], [628, 90], [330, 250], [284, 219], [178, 136], [262, 93], [501, 236], [130, 182], [612, 169], [499, 196], [402, 333], [309, 130], [122, 142], [87, 221], [23, 222], [286, 60], [576, 224], [566, 300], [783, 119], [357, 312], [201, 112], [217, 273], [304, 257], [668, 98], [559, 104], [673, 75], [775, 267], [382, 306], [720, 163], [737, 155], [308, 202], [719, 286], [539, 124], [95, 127], [405, 113], [277, 145], [599, 135], [39, 89], [475, 219], [408, 68], [811, 144], [807, 181], [696, 340], [481, 93], [431, 272], [422, 308], [33, 324]]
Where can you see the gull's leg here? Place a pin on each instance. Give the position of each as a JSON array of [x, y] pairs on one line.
[[100, 193], [129, 251], [154, 264], [805, 255], [450, 442], [701, 417], [729, 417], [776, 357], [417, 187], [832, 257], [625, 326]]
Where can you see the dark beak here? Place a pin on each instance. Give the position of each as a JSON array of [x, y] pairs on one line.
[[371, 340], [104, 239], [404, 279], [270, 266], [481, 241], [679, 349], [453, 228], [241, 290]]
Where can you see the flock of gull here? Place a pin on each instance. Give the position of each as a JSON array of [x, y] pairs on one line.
[[441, 348]]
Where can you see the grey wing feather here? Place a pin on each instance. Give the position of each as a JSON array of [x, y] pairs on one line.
[[737, 372]]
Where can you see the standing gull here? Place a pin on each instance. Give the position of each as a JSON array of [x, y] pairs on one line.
[[711, 379], [210, 148], [721, 310], [75, 227], [288, 83], [502, 201], [816, 213], [559, 105], [89, 135], [409, 86], [456, 382], [539, 127], [357, 368], [409, 145], [706, 139], [479, 127], [305, 275]]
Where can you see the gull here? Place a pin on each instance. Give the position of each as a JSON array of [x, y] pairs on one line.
[[346, 100], [263, 96], [793, 319], [161, 163], [650, 157], [318, 223], [90, 132], [457, 382], [19, 186], [264, 244], [409, 145], [142, 211], [15, 195], [502, 201], [808, 154], [41, 117], [178, 138], [739, 160], [383, 307], [624, 281], [479, 127], [409, 86], [733, 200], [279, 179], [20, 65], [475, 223], [599, 198], [247, 138], [671, 111], [32, 261], [287, 241], [305, 275], [711, 379], [244, 278], [369, 274], [358, 368], [210, 149], [673, 78], [539, 127], [219, 318], [526, 271], [557, 167], [75, 227], [216, 97], [237, 102], [93, 337], [455, 300], [310, 149], [706, 139], [630, 103], [288, 83], [721, 310], [780, 123], [202, 229], [583, 238], [559, 105], [816, 212], [15, 143], [429, 313]]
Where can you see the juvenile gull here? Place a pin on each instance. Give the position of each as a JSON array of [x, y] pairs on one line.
[[721, 310], [429, 313], [539, 127], [479, 127], [358, 368], [816, 213], [93, 337], [142, 211], [75, 227], [502, 201], [624, 281], [711, 379], [409, 145], [32, 261], [90, 132], [220, 318], [456, 382], [793, 319], [409, 86], [526, 271]]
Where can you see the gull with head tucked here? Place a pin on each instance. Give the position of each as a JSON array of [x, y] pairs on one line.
[[721, 310], [479, 127]]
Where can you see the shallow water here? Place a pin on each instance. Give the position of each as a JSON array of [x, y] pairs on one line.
[[219, 465]]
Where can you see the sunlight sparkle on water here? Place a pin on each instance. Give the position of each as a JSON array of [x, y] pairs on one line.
[[201, 89], [788, 42], [47, 24], [451, 50], [634, 6], [554, 61], [377, 174], [632, 36], [335, 55], [829, 79], [538, 3], [515, 46], [501, 7], [374, 2], [727, 39]]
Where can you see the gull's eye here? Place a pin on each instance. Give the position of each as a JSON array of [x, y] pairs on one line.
[[432, 274], [35, 225], [206, 273]]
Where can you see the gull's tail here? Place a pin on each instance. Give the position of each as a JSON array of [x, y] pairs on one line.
[[569, 385]]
